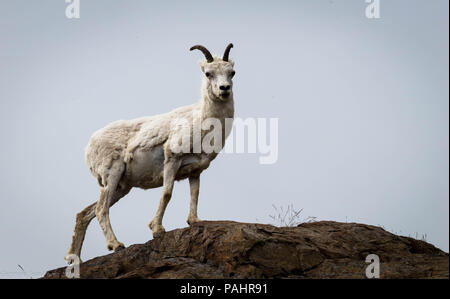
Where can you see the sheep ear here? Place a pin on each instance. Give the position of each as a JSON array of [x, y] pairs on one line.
[[201, 63]]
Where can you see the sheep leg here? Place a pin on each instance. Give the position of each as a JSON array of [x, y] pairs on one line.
[[82, 223], [102, 213], [194, 183], [84, 218], [170, 171], [109, 194]]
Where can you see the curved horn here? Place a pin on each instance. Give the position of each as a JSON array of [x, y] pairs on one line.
[[205, 51], [227, 52]]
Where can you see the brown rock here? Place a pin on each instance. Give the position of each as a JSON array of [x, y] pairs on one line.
[[226, 249]]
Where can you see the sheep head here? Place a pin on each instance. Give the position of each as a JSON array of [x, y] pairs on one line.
[[219, 72]]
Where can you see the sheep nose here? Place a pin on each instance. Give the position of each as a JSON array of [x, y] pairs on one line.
[[224, 87]]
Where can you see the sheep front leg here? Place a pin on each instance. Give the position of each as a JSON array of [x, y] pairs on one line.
[[170, 171], [194, 183]]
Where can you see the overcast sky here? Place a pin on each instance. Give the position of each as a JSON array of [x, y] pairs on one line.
[[362, 105]]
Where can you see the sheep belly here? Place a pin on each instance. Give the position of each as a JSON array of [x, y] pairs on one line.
[[146, 168]]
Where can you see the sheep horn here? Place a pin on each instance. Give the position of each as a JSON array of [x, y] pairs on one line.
[[227, 52], [205, 51]]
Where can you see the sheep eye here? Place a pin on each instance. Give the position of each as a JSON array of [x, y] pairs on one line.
[[208, 74], [232, 74]]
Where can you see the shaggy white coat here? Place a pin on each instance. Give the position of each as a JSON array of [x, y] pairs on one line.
[[137, 153]]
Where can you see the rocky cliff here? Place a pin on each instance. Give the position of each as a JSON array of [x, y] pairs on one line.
[[225, 249]]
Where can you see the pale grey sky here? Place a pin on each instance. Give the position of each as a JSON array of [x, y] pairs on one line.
[[362, 107]]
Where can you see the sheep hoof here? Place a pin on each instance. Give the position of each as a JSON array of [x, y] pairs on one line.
[[119, 248], [156, 229], [69, 258], [192, 220], [115, 245]]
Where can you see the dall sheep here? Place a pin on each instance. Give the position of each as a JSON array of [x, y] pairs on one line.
[[137, 153]]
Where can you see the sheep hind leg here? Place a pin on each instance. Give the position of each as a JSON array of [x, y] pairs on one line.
[[84, 218], [170, 171], [82, 222], [102, 213], [110, 194]]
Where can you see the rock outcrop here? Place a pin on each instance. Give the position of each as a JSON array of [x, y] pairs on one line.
[[225, 249]]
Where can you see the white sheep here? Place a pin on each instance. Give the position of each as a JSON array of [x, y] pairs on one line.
[[137, 153]]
